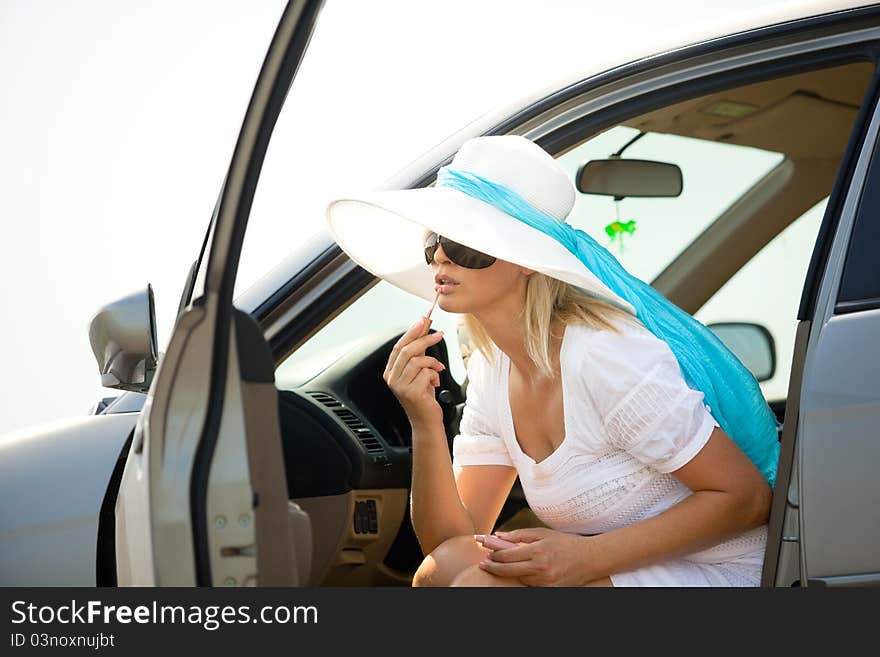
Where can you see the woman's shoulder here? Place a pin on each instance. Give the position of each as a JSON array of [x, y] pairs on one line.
[[608, 343], [607, 361]]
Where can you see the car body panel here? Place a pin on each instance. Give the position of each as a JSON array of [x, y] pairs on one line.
[[839, 414], [53, 479]]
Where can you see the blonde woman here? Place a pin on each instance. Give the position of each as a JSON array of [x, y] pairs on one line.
[[578, 383]]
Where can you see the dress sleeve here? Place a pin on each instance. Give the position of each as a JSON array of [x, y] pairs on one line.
[[479, 441], [645, 405]]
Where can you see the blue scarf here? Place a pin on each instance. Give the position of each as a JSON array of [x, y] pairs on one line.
[[728, 387]]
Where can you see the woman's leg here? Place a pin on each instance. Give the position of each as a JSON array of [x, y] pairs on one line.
[[448, 559], [604, 581], [476, 576], [455, 563]]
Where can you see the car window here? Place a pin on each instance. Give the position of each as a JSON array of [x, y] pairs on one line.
[[860, 282], [767, 291], [714, 175], [383, 307]]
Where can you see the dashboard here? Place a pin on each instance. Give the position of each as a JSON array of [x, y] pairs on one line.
[[344, 429]]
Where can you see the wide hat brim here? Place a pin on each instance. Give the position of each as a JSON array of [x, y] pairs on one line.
[[384, 232]]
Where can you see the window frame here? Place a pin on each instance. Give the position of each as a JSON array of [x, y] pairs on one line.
[[863, 243]]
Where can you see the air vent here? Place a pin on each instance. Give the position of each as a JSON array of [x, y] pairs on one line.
[[325, 399], [352, 421], [368, 440]]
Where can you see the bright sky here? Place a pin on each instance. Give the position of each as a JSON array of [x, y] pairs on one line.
[[119, 119]]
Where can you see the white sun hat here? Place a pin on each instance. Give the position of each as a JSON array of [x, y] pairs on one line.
[[384, 231]]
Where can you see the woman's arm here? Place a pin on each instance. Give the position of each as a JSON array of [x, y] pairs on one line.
[[436, 510], [483, 489], [730, 496], [462, 495], [446, 502]]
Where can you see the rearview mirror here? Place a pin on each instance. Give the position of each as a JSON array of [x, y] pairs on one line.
[[621, 178], [751, 343], [123, 338]]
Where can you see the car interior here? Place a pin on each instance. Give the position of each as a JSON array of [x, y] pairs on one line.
[[346, 438]]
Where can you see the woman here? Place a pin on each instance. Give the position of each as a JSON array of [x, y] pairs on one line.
[[578, 385]]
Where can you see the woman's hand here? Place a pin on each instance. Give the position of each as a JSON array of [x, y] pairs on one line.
[[544, 557], [412, 376]]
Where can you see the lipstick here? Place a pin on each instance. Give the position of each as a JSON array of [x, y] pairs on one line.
[[426, 325]]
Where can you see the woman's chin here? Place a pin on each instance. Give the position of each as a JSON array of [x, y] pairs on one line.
[[448, 303]]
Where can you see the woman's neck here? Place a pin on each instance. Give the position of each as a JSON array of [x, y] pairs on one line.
[[508, 332]]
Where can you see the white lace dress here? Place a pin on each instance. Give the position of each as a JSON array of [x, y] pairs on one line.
[[630, 420]]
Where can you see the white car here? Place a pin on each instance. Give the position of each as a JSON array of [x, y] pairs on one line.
[[265, 448]]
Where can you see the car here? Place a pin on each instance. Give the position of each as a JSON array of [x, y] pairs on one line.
[[739, 176]]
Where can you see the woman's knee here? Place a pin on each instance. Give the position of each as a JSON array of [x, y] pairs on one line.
[[476, 576], [447, 560], [473, 576]]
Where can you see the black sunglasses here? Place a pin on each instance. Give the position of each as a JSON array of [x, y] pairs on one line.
[[463, 256]]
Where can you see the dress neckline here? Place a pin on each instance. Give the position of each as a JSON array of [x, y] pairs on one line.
[[553, 458]]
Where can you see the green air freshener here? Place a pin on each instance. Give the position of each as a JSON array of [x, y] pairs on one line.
[[616, 230]]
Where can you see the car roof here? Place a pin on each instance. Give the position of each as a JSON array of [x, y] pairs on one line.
[[687, 34], [662, 44]]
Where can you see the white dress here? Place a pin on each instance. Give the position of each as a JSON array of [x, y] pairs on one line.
[[630, 420]]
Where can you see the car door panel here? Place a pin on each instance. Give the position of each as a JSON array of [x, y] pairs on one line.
[[281, 527], [204, 479], [782, 556], [156, 475], [837, 446], [840, 450]]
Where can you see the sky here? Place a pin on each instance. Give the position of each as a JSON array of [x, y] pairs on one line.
[[119, 119]]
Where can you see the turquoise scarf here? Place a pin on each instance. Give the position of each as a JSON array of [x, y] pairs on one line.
[[730, 390]]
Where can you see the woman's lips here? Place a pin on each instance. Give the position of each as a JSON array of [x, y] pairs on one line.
[[446, 288]]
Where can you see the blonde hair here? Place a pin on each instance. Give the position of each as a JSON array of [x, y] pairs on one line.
[[547, 300]]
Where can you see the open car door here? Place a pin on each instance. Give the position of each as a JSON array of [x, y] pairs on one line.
[[833, 496], [203, 499]]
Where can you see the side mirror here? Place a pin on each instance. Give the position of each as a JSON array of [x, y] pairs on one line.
[[621, 178], [751, 343], [123, 337]]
